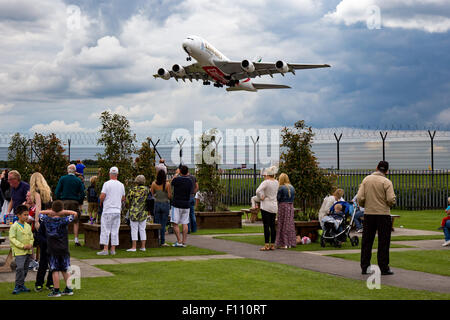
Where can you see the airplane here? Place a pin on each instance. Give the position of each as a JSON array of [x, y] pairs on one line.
[[213, 66]]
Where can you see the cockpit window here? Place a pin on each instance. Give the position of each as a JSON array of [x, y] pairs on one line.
[[190, 38]]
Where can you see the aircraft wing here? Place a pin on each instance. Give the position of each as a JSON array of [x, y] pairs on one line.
[[261, 68], [193, 72]]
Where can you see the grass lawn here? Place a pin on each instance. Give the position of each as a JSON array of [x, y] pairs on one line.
[[431, 261], [420, 220], [87, 253], [414, 238], [259, 240], [222, 280]]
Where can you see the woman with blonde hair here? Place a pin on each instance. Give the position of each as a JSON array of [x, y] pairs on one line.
[[285, 226], [40, 195]]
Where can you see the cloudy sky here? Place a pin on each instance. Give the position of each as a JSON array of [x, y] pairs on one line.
[[63, 62]]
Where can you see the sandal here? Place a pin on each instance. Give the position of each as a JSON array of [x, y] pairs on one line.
[[265, 248], [272, 247]]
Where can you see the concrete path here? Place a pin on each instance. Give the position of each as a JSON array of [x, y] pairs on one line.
[[93, 262], [87, 271], [330, 265]]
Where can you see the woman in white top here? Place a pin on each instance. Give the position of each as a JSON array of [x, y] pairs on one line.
[[328, 203], [267, 192]]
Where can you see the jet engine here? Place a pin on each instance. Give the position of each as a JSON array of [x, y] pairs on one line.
[[247, 66], [163, 73], [282, 66], [179, 70]]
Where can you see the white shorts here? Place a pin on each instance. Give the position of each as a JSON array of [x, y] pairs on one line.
[[180, 215]]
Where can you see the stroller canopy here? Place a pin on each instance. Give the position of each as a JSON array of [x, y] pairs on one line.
[[347, 207]]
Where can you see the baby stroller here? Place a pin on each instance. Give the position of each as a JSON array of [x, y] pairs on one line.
[[336, 230]]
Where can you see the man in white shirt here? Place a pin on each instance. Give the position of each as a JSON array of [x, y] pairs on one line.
[[111, 198]]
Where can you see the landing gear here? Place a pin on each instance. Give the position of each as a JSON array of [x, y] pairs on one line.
[[206, 83], [188, 58], [218, 85], [232, 83]]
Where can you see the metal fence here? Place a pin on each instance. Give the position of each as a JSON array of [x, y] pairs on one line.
[[415, 189]]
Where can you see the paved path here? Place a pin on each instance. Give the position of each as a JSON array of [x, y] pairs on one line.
[[330, 265], [87, 271]]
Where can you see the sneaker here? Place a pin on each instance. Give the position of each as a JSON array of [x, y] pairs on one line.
[[446, 243], [165, 245], [50, 287], [67, 292], [359, 230], [113, 253], [24, 289], [176, 244], [143, 249], [184, 245], [131, 250], [102, 253], [16, 290], [38, 288], [54, 293], [77, 244]]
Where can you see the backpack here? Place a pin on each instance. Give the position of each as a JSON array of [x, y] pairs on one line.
[[92, 195]]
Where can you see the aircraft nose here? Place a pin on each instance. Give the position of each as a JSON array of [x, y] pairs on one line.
[[187, 45]]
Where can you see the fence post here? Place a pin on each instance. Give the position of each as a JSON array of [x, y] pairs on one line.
[[383, 137], [337, 141]]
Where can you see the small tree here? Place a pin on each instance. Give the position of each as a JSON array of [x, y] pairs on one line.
[[118, 140], [49, 158], [145, 162], [300, 164], [208, 175], [18, 156]]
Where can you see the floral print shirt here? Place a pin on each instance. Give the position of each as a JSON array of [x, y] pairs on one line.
[[136, 201]]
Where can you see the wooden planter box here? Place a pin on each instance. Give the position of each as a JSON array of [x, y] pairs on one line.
[[83, 219], [308, 229], [92, 236], [219, 220]]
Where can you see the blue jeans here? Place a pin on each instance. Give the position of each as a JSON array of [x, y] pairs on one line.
[[357, 219], [192, 226], [161, 216], [447, 230]]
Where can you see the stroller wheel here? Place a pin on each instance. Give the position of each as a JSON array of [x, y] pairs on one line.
[[337, 243], [322, 242], [354, 240]]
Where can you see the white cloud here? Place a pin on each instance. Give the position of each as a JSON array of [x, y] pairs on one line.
[[5, 107], [426, 15], [60, 126]]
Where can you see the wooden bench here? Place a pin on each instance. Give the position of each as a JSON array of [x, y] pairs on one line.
[[9, 264], [393, 217], [253, 214]]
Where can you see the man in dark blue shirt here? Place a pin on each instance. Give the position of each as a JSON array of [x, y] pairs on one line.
[[19, 190], [182, 188]]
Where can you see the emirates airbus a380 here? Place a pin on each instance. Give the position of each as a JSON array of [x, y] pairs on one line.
[[213, 66]]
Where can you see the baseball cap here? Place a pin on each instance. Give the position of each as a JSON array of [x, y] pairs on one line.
[[114, 170]]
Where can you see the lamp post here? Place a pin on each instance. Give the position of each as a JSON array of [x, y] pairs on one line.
[[254, 159]]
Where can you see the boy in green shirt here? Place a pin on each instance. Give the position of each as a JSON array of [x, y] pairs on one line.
[[21, 240]]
